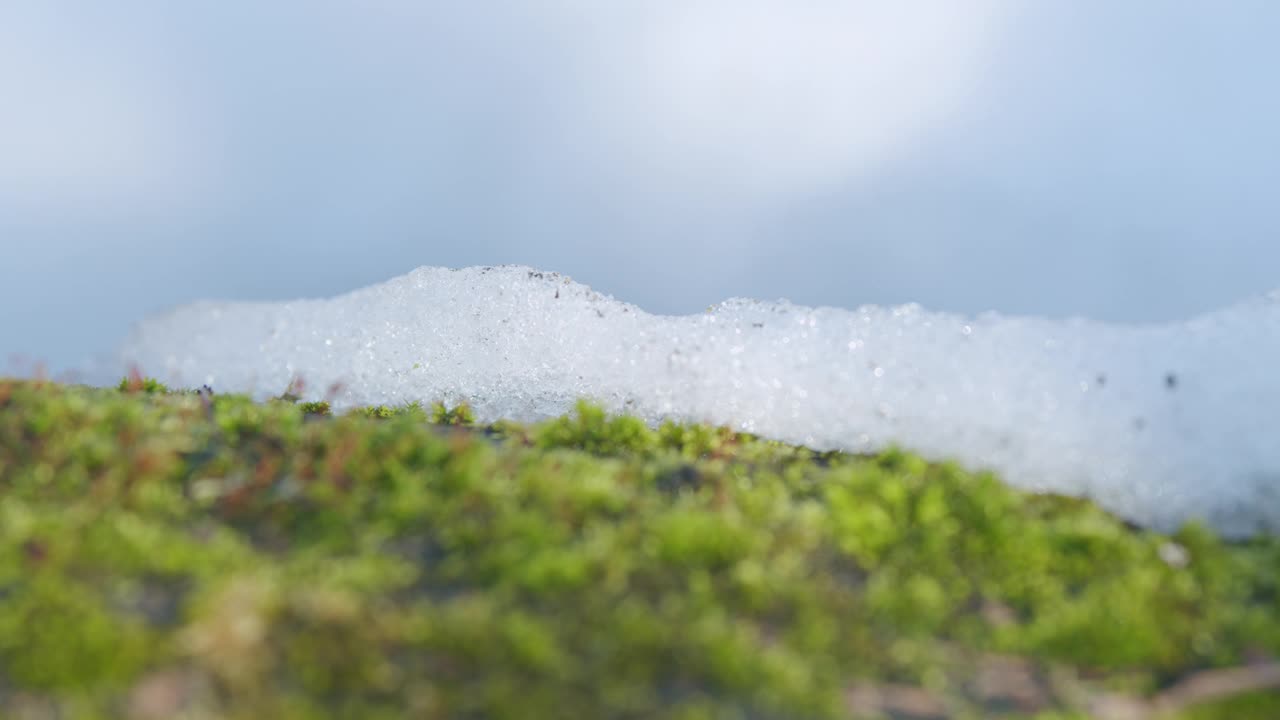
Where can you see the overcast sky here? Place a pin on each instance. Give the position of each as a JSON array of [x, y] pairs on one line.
[[1058, 157]]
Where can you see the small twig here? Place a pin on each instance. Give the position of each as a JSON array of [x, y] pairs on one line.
[[1194, 689], [1211, 684], [907, 701], [895, 700]]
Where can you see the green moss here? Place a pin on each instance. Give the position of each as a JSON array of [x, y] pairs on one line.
[[592, 431], [58, 636], [318, 407], [439, 413], [376, 564], [444, 415], [140, 384], [377, 412]]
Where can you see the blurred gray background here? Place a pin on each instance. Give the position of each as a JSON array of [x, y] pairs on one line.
[[1057, 157]]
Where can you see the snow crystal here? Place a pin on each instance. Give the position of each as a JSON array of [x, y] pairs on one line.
[[1160, 424]]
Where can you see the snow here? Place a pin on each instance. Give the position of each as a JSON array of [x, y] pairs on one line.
[[1160, 424]]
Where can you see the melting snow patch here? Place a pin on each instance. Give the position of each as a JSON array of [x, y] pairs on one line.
[[1159, 424]]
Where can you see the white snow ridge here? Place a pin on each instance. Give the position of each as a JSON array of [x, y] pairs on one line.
[[1160, 424]]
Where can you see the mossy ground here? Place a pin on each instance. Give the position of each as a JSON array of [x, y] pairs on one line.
[[183, 554]]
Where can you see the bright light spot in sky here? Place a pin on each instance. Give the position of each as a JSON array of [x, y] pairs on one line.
[[765, 97]]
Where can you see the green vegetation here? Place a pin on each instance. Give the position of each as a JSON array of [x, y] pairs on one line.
[[317, 407], [190, 554], [442, 415], [141, 384]]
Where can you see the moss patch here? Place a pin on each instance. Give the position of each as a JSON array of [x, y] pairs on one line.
[[163, 553]]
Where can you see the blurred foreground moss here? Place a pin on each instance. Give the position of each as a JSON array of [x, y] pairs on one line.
[[184, 554]]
